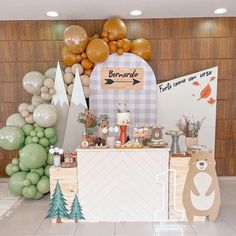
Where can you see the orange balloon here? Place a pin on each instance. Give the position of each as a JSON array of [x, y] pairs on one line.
[[84, 55], [111, 36], [120, 43], [113, 47], [126, 45], [87, 64], [104, 34], [106, 40], [120, 51], [116, 27], [78, 58], [96, 36], [75, 38], [88, 72], [142, 48], [97, 51], [68, 57]]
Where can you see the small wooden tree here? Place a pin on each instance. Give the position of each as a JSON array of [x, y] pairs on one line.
[[76, 210], [58, 204]]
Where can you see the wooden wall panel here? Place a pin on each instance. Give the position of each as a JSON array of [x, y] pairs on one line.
[[180, 47]]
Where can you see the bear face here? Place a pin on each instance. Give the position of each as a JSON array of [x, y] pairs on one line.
[[201, 161]]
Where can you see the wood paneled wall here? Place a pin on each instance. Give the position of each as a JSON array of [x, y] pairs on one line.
[[180, 47]]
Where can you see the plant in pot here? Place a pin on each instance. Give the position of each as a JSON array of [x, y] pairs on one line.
[[89, 121], [190, 129]]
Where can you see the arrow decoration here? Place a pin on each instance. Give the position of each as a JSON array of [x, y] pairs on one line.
[[133, 81]]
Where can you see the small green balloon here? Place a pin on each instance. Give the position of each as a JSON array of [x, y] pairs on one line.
[[50, 132], [53, 140], [27, 182], [15, 168], [28, 140], [38, 195], [33, 177], [29, 192], [44, 142], [33, 156], [33, 133], [35, 139], [39, 129], [15, 161], [43, 186], [27, 128], [46, 170], [23, 168], [44, 177], [40, 171], [16, 182], [50, 159], [11, 137], [9, 169], [40, 134], [47, 149]]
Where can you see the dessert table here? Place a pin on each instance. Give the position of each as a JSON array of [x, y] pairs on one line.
[[123, 184]]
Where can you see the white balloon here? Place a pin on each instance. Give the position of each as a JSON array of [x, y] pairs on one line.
[[45, 115], [85, 80], [15, 120], [79, 67], [51, 73], [32, 82], [37, 100]]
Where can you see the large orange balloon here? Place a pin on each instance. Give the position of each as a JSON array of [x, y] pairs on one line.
[[76, 39], [68, 57], [115, 27], [97, 51], [142, 48]]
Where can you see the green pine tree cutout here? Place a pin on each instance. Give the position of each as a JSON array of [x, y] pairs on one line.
[[58, 205], [76, 210]]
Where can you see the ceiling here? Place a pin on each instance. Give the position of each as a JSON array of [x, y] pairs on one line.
[[103, 9]]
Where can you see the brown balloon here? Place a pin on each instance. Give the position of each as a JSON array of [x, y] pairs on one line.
[[75, 38], [142, 48], [68, 57], [87, 64], [115, 27], [126, 45], [97, 51]]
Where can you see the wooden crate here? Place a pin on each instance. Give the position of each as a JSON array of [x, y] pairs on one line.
[[67, 178], [176, 208]]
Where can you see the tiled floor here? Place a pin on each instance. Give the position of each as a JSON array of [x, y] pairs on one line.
[[28, 219]]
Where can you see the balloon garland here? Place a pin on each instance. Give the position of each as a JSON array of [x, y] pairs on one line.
[[31, 130]]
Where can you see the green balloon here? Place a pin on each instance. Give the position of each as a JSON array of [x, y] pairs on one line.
[[44, 142], [33, 177], [27, 182], [39, 129], [47, 149], [50, 159], [15, 168], [44, 177], [38, 195], [22, 167], [35, 139], [28, 140], [27, 128], [43, 185], [53, 140], [11, 137], [16, 182], [40, 171], [9, 169], [33, 156], [15, 161], [46, 170], [40, 134], [33, 133], [29, 192], [50, 132]]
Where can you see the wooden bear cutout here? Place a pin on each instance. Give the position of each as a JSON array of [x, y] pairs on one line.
[[201, 195]]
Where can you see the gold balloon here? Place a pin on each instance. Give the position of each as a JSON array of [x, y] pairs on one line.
[[142, 48], [126, 45], [97, 51], [87, 64], [76, 38], [116, 29], [68, 57]]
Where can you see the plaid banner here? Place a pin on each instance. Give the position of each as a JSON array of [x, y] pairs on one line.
[[141, 103]]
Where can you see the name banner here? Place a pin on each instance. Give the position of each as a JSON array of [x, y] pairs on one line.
[[122, 78]]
